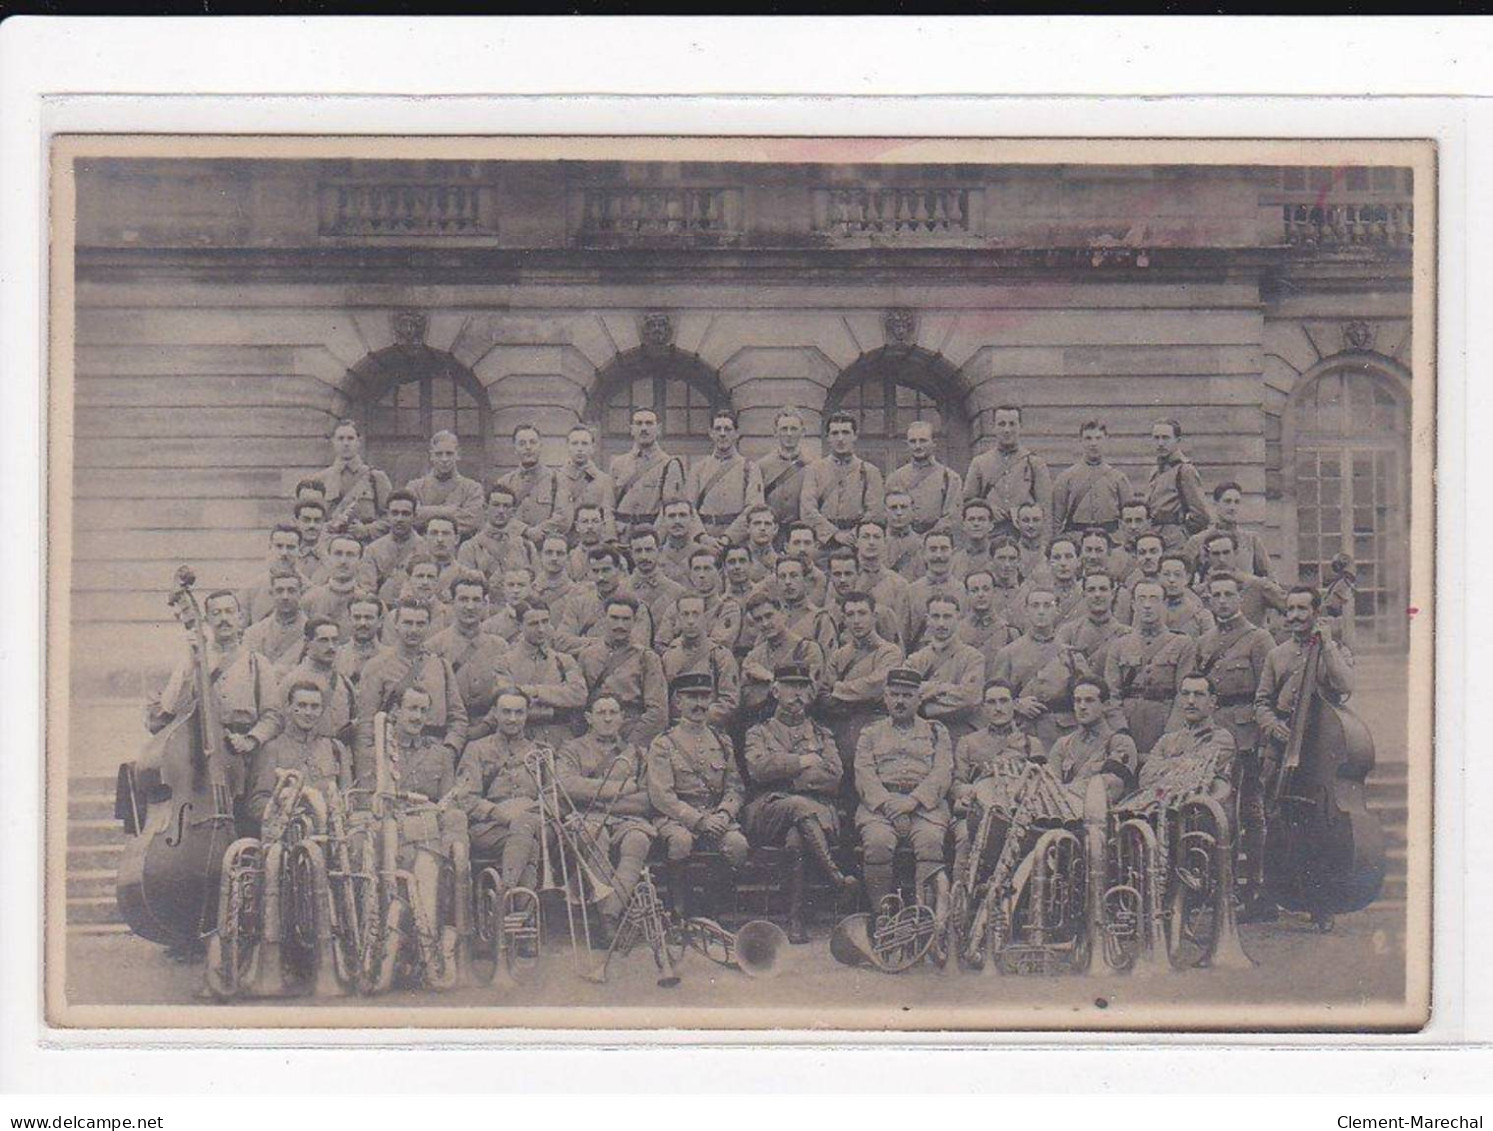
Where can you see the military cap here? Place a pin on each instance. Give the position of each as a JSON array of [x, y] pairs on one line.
[[904, 677], [792, 673], [694, 681]]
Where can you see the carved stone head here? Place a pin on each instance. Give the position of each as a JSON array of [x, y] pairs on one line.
[[901, 327], [1358, 335], [658, 330], [409, 327]]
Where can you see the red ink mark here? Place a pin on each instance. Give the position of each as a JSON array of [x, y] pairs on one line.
[[1412, 610]]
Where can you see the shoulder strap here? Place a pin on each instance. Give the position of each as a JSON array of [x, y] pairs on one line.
[[643, 469], [709, 485], [777, 480]]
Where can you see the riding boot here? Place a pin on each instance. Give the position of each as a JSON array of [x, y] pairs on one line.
[[797, 932], [818, 844]]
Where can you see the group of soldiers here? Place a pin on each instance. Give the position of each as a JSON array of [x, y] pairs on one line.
[[733, 652]]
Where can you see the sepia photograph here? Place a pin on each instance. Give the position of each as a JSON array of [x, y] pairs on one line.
[[761, 583]]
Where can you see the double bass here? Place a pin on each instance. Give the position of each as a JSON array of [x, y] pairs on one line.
[[1324, 850], [175, 800]]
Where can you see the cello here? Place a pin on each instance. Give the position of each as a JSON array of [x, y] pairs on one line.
[[1324, 850], [176, 802]]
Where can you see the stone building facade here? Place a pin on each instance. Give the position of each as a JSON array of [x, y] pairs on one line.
[[229, 311]]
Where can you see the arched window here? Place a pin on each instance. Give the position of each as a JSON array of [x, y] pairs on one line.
[[888, 389], [1350, 431], [681, 388], [407, 393]]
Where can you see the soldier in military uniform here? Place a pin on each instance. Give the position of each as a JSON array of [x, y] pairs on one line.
[[1009, 474], [285, 552], [653, 588], [420, 582], [796, 774], [804, 615], [938, 580], [1063, 579], [497, 789], [310, 519], [857, 675], [1258, 596], [582, 483], [581, 616], [355, 492], [366, 613], [890, 589], [245, 682], [645, 477], [737, 585], [953, 672], [1031, 540], [303, 746], [782, 470], [1094, 549], [1183, 609], [904, 545], [1174, 493], [761, 543], [723, 485], [1095, 633], [935, 490], [845, 579], [1091, 492], [840, 489], [1135, 520], [1275, 701], [904, 766], [984, 628], [552, 581], [1250, 552], [407, 663], [1095, 749], [551, 680], [476, 657], [346, 575], [587, 530], [535, 487], [694, 784], [634, 675], [989, 765], [722, 612], [605, 776], [977, 541], [1196, 758], [339, 704], [693, 651], [1149, 551], [776, 645], [1040, 669], [390, 552], [503, 543], [1145, 668], [280, 636], [443, 492]]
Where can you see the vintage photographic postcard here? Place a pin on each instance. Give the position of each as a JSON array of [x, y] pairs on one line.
[[740, 583]]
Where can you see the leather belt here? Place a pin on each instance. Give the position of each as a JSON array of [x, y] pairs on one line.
[[1235, 700], [718, 519], [635, 519]]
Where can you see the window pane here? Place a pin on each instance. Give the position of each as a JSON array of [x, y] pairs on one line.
[[1332, 520]]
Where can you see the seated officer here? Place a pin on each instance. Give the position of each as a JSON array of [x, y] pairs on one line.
[[904, 766], [603, 774], [989, 765], [497, 789], [796, 770], [693, 781]]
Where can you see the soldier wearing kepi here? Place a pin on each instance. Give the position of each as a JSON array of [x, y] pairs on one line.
[[1009, 474], [1175, 495], [1275, 700], [694, 784], [605, 776], [904, 766], [499, 793], [645, 477], [797, 772], [935, 490], [1145, 668]]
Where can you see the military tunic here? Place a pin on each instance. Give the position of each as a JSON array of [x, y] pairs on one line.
[[643, 481], [389, 554], [658, 591], [1094, 639], [903, 553], [987, 634], [782, 485], [1280, 682], [786, 791], [989, 764], [496, 788], [919, 593], [1007, 479], [1178, 505], [1184, 763], [765, 657], [722, 620], [1089, 494], [582, 616], [1092, 751], [953, 683], [392, 670], [1186, 614], [278, 641], [1144, 672], [353, 657], [1042, 670], [1233, 655], [476, 659], [723, 491], [555, 687], [339, 700], [326, 600], [1250, 551], [857, 678], [838, 495], [587, 486], [915, 760], [608, 781], [537, 498], [322, 762], [454, 496], [492, 552], [636, 678], [937, 493], [357, 496], [692, 774]]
